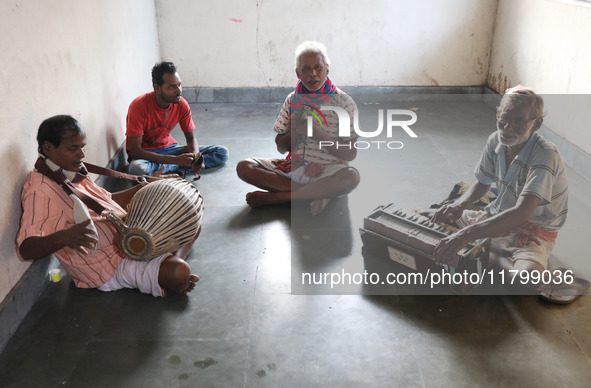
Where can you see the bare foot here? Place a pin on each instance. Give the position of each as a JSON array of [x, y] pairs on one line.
[[318, 205], [193, 279], [262, 198]]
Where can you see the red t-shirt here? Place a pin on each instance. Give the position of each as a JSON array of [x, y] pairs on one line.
[[145, 118]]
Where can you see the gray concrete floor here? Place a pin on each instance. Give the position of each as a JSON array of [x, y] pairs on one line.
[[251, 323]]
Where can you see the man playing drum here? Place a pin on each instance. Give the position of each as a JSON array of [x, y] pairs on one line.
[[85, 243]]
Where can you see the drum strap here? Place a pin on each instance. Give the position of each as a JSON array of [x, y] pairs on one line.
[[69, 188], [112, 173]]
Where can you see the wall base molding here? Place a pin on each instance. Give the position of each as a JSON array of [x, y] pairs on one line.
[[572, 155]]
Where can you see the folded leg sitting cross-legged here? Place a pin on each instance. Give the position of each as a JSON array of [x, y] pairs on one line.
[[281, 189]]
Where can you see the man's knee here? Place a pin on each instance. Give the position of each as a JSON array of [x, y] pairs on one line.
[[138, 167], [348, 179], [222, 153], [214, 155], [504, 261], [245, 169], [528, 265]]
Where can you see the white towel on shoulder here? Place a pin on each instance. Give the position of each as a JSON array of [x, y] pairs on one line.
[[81, 213]]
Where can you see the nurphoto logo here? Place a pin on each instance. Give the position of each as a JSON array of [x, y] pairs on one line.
[[345, 125]]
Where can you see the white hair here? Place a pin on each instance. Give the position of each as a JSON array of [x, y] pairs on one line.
[[310, 47], [519, 95]]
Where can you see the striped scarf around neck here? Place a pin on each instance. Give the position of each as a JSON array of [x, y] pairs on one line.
[[302, 96]]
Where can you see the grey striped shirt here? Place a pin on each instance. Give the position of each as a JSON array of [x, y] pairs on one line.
[[538, 169]]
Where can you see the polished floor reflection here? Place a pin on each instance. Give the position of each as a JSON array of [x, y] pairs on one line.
[[249, 323]]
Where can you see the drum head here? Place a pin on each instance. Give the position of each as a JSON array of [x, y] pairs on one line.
[[137, 244]]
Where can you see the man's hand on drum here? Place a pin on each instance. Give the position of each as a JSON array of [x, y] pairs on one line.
[[79, 237], [158, 175]]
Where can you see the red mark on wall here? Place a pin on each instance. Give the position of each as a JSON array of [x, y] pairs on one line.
[[236, 20]]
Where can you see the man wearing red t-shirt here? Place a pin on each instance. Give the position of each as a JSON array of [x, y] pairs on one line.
[[150, 119]]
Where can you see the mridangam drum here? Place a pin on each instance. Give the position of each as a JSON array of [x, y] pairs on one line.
[[162, 217]]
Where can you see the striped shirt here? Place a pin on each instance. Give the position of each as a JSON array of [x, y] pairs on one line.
[[48, 209], [538, 169], [309, 150]]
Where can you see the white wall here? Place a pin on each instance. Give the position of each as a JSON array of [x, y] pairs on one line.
[[250, 43], [545, 44], [88, 59]]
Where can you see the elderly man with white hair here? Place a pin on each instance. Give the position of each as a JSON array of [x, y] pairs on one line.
[[316, 168], [532, 201]]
